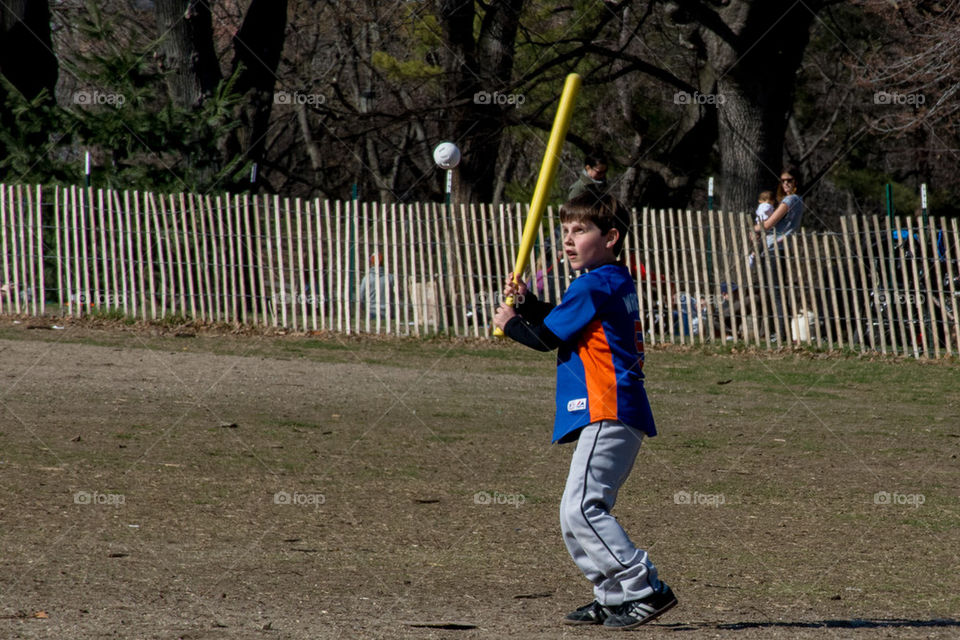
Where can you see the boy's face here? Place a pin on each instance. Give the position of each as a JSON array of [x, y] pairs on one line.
[[584, 245]]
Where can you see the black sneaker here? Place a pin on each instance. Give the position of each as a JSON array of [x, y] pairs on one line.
[[637, 612], [593, 613]]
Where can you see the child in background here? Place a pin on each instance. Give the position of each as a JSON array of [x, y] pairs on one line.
[[766, 206], [376, 289], [764, 209]]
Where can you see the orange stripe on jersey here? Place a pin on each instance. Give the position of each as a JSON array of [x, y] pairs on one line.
[[601, 375]]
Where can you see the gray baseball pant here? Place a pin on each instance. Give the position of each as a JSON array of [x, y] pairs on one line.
[[601, 462]]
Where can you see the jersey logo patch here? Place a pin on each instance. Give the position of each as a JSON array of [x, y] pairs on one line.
[[577, 405]]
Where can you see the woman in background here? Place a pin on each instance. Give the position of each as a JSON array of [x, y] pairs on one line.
[[785, 219]]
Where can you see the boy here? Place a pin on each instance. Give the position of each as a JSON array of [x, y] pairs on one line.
[[601, 404]]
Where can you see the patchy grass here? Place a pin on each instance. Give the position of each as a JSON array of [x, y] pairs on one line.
[[335, 486]]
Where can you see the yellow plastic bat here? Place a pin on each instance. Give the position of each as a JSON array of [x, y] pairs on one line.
[[548, 171]]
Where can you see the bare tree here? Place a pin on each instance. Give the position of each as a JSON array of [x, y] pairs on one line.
[[674, 90], [915, 74]]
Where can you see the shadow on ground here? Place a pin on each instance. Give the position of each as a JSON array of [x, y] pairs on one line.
[[853, 623]]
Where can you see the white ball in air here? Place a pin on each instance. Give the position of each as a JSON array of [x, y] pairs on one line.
[[446, 155]]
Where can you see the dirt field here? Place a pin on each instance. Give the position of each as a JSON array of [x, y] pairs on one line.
[[168, 484]]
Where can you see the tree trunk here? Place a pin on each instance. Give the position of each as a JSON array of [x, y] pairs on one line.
[[755, 51], [27, 60], [479, 71], [751, 148], [186, 32], [26, 50], [257, 48]]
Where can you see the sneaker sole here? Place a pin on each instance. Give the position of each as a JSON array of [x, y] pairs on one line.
[[653, 616], [582, 623]]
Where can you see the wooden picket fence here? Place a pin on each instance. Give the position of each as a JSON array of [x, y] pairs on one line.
[[883, 285]]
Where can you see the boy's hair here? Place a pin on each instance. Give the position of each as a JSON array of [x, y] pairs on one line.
[[765, 196], [595, 158], [600, 208]]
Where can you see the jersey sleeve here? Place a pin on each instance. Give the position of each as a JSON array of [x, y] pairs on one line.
[[533, 335], [581, 304], [533, 309]]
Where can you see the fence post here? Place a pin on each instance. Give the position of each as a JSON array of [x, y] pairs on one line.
[[111, 214], [874, 283], [4, 247], [813, 288], [944, 314], [59, 258], [950, 247], [491, 267], [929, 332], [674, 265], [867, 310], [325, 265], [30, 274], [724, 222]]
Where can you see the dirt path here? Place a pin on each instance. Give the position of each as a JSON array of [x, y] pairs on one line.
[[289, 487]]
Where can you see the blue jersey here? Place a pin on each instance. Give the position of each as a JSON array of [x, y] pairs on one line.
[[600, 360]]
